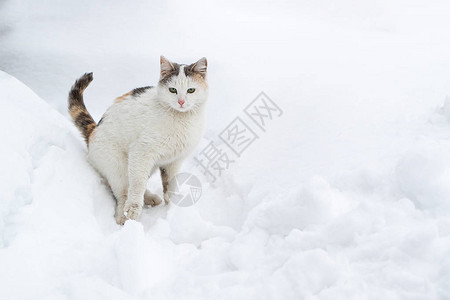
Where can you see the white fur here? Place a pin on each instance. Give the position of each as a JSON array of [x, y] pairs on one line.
[[141, 134]]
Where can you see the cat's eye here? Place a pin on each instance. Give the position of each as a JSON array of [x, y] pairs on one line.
[[173, 90], [191, 90]]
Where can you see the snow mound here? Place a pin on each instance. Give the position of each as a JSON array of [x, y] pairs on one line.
[[371, 233]]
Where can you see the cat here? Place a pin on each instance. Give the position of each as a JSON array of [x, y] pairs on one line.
[[146, 129]]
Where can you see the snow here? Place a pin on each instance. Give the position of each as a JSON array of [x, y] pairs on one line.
[[345, 196]]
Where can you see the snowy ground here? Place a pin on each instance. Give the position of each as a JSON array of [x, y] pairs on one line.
[[345, 196]]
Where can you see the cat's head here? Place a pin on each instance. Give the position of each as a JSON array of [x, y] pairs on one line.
[[183, 87]]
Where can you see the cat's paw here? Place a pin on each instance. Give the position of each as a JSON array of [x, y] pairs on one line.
[[132, 210], [120, 219], [151, 199]]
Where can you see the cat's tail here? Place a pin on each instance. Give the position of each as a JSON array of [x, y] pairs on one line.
[[80, 116]]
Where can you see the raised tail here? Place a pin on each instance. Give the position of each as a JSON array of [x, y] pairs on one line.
[[80, 116]]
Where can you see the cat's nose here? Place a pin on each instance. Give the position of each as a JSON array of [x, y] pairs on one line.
[[181, 102]]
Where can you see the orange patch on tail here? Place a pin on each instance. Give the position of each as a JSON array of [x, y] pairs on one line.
[[75, 111], [91, 130]]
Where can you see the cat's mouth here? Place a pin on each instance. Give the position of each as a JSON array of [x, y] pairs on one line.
[[180, 108]]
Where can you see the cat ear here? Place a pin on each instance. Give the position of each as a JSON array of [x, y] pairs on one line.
[[166, 66], [200, 66]]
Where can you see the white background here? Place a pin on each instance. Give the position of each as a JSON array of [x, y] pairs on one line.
[[347, 194]]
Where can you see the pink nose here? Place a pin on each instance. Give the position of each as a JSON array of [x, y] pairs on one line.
[[181, 102]]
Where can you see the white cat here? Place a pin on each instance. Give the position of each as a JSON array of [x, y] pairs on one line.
[[146, 129]]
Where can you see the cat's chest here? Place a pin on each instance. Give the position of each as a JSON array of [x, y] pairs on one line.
[[178, 139]]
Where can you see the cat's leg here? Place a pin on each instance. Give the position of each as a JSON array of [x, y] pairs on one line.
[[140, 164], [151, 199], [168, 172], [113, 166], [115, 171], [119, 187]]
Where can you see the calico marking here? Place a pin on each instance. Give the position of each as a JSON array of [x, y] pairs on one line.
[[136, 92], [165, 182], [123, 97], [80, 116], [168, 70], [197, 71], [140, 91]]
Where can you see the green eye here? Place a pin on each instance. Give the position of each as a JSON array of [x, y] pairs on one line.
[[173, 90], [191, 90]]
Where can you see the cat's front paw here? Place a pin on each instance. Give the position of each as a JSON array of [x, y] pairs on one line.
[[151, 199], [120, 219], [132, 210]]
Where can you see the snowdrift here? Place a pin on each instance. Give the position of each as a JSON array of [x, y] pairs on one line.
[[378, 232]]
